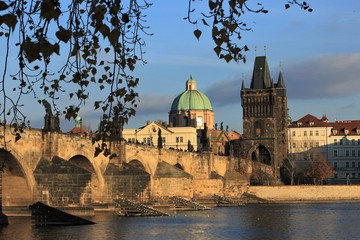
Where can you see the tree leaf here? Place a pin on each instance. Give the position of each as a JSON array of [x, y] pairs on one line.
[[197, 33], [114, 37], [212, 5], [3, 6], [9, 19], [105, 30], [63, 34]]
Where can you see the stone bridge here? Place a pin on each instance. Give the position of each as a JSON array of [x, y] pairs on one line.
[[61, 170]]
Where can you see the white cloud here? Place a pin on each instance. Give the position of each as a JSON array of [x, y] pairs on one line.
[[330, 76]]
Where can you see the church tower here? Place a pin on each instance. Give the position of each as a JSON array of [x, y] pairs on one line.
[[264, 117]]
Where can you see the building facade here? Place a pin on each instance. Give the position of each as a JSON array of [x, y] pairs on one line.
[[171, 137], [338, 142], [264, 103], [306, 136]]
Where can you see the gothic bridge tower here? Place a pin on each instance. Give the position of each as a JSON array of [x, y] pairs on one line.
[[264, 117]]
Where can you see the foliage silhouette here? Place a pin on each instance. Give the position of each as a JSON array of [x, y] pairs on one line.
[[99, 43]]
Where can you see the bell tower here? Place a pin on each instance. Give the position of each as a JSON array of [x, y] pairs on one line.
[[264, 117]]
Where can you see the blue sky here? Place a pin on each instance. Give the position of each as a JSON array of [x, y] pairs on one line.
[[319, 54]]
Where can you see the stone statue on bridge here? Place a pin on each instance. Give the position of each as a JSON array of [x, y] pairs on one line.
[[204, 140], [51, 122]]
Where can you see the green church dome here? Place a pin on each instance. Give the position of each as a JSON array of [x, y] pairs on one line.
[[191, 99]]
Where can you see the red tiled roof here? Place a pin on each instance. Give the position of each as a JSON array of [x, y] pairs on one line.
[[340, 126], [352, 126], [310, 121], [77, 130]]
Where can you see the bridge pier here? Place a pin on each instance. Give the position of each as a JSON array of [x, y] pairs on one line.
[[3, 217]]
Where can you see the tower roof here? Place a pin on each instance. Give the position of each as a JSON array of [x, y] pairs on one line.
[[280, 83], [191, 99], [261, 74]]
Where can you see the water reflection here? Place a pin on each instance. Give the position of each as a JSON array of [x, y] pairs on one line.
[[267, 221]]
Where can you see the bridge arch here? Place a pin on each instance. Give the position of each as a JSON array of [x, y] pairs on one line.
[[179, 166], [86, 163], [137, 164], [259, 153], [18, 172], [149, 165]]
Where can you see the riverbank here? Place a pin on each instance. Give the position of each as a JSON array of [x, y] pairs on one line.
[[306, 193]]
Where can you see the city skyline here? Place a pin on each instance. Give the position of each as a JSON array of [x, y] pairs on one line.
[[317, 52]]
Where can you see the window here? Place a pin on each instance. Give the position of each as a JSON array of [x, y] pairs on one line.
[[163, 139], [311, 133], [358, 141], [311, 144], [294, 145], [144, 140], [335, 153], [353, 164], [341, 141], [359, 153], [347, 153], [317, 144], [305, 144], [293, 133], [181, 139], [359, 165], [335, 164], [177, 139], [317, 133], [346, 131], [335, 142], [347, 164], [358, 131], [335, 175], [305, 133], [353, 153], [334, 132], [353, 175], [311, 123]]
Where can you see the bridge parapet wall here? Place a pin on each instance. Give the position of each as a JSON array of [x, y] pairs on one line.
[[199, 165]]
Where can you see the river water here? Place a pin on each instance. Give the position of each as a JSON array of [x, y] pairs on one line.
[[257, 221]]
